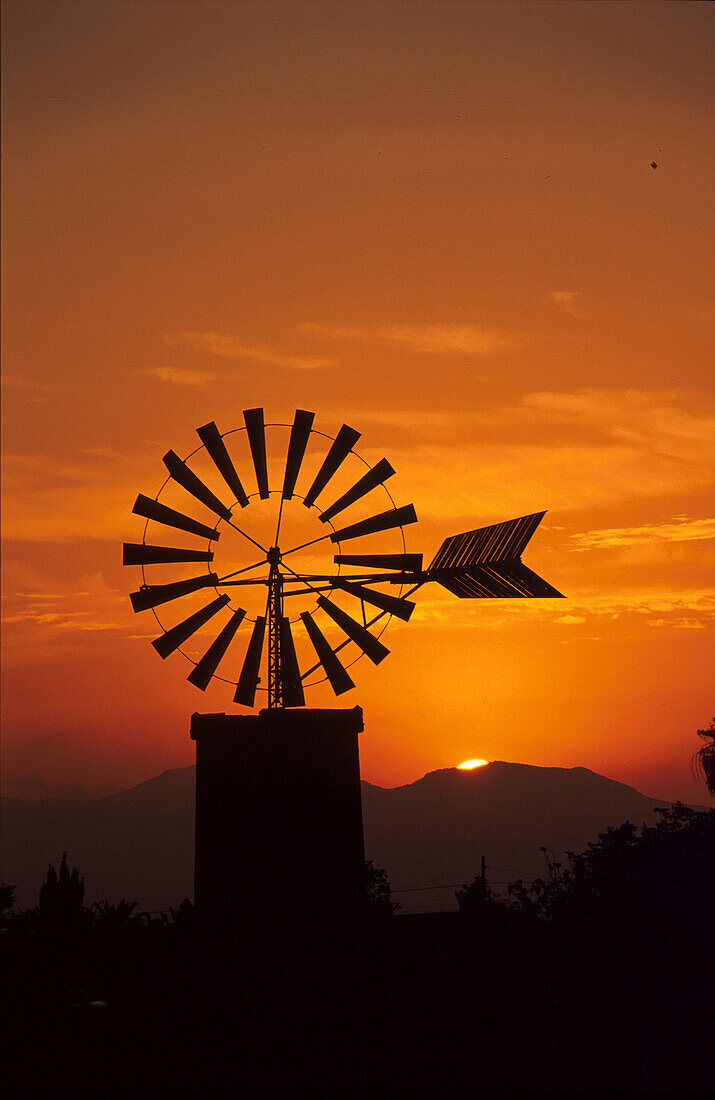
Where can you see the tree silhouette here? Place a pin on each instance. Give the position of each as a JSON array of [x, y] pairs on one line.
[[7, 897], [62, 895], [474, 898], [377, 890], [704, 759]]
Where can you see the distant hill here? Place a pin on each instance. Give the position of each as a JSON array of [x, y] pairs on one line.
[[139, 843]]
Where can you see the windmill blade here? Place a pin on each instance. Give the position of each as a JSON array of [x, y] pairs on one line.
[[152, 595], [152, 509], [172, 639], [256, 431], [395, 517], [208, 664], [376, 476], [503, 580], [394, 604], [498, 542], [368, 643], [194, 485], [344, 442], [291, 687], [248, 680], [405, 563], [139, 553], [210, 436], [337, 675], [299, 433]]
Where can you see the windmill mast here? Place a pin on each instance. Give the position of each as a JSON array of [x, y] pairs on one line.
[[275, 614]]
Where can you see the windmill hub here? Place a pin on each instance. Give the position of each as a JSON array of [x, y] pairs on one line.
[[273, 557]]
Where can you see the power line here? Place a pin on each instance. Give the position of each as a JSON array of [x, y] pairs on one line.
[[451, 885]]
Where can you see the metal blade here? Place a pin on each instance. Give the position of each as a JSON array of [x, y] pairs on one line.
[[291, 687], [395, 517], [139, 553], [344, 442], [210, 436], [370, 645], [338, 677], [405, 563], [194, 485], [394, 604], [210, 661], [373, 477], [152, 509], [172, 639], [248, 680], [299, 434], [256, 430], [152, 595]]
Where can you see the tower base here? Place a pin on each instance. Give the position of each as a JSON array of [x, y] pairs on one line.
[[279, 838]]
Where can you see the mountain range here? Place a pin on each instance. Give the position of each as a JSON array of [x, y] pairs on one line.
[[429, 835]]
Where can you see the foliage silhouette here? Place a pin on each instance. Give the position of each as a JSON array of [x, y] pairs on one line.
[[378, 893], [7, 900], [704, 759], [598, 976], [62, 895]]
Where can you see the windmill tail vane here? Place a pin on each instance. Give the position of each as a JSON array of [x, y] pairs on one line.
[[481, 564], [487, 563]]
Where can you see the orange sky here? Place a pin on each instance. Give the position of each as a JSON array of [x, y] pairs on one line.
[[435, 221]]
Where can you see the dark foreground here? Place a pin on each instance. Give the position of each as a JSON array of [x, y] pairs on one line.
[[600, 980]]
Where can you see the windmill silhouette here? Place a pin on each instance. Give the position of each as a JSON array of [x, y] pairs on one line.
[[479, 564], [320, 564]]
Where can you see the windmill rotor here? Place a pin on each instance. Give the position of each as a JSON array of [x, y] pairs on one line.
[[304, 603]]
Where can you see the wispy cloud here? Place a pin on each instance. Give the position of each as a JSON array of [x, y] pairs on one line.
[[46, 617], [650, 420], [679, 624], [680, 529], [30, 391], [678, 608], [471, 483], [426, 339], [566, 298], [179, 376], [231, 347]]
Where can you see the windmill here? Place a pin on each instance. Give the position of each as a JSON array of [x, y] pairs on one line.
[[339, 606], [318, 563]]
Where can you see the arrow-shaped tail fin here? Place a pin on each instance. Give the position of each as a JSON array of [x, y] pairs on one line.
[[486, 563]]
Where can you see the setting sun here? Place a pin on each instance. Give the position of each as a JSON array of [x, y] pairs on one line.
[[468, 764]]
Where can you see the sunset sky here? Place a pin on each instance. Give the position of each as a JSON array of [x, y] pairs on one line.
[[437, 222]]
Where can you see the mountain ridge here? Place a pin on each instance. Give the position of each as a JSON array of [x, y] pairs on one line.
[[138, 843]]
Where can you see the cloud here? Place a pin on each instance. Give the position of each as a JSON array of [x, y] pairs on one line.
[[426, 339], [472, 484], [680, 624], [567, 452], [178, 376], [232, 348], [49, 501], [29, 392], [680, 529], [565, 298], [692, 608], [646, 601], [640, 418]]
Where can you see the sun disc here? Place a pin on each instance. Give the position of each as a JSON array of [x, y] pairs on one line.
[[468, 764]]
